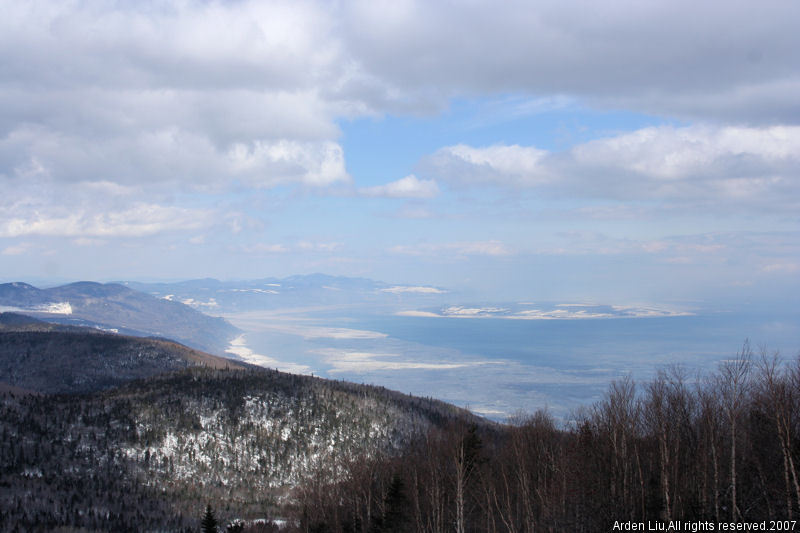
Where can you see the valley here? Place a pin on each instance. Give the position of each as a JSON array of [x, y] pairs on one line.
[[101, 431]]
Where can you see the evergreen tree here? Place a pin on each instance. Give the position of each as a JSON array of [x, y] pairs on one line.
[[209, 523], [396, 514]]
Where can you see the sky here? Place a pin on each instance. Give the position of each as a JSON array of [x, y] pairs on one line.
[[616, 152]]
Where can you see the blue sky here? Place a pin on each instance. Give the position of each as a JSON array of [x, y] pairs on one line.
[[615, 152]]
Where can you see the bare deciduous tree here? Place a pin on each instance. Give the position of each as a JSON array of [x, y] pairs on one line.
[[734, 383]]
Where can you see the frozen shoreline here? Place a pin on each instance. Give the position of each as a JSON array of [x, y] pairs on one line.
[[238, 347]]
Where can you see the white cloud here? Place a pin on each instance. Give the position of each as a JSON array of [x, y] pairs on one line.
[[18, 249], [669, 153], [703, 164], [108, 188], [512, 165], [325, 247], [84, 241], [781, 268], [269, 164], [490, 248], [413, 212], [114, 114], [205, 94], [461, 311], [300, 246], [420, 314], [170, 155], [216, 95], [666, 58], [198, 95], [137, 221], [266, 248], [408, 187], [676, 249], [480, 248]]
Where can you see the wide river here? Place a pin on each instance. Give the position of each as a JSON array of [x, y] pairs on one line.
[[499, 367]]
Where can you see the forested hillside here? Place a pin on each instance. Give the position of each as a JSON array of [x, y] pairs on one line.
[[321, 455], [148, 454], [51, 358]]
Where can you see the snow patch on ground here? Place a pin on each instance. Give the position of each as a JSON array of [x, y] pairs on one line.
[[56, 308], [191, 302], [399, 289], [259, 291]]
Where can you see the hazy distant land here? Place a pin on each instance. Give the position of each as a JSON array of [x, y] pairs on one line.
[[494, 357]]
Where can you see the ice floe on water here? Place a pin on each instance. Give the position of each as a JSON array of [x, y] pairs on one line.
[[343, 360], [530, 311], [238, 347]]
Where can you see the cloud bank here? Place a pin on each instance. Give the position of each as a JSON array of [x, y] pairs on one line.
[[233, 128], [202, 93], [454, 249], [694, 164], [408, 187]]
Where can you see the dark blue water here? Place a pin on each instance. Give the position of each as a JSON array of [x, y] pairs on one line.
[[504, 365], [697, 339]]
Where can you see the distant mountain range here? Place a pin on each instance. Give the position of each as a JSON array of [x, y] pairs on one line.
[[211, 295], [120, 309], [319, 291]]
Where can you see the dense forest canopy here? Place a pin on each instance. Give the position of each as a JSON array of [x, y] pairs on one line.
[[317, 455]]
